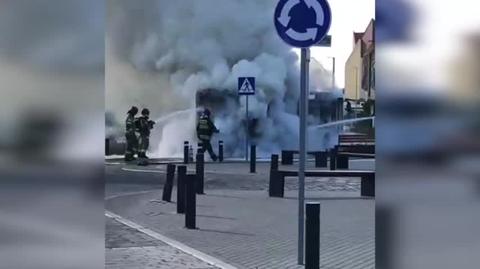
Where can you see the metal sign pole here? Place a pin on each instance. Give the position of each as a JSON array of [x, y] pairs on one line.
[[312, 35], [304, 72], [247, 134], [333, 72]]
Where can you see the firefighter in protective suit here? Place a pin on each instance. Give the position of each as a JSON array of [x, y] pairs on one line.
[[144, 126], [205, 130], [131, 137]]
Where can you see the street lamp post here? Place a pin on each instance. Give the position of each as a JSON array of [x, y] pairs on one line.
[[333, 71]]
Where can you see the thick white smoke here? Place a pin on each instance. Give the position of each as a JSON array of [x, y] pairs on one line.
[[208, 44]]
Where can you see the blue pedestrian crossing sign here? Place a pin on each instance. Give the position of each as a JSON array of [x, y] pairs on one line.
[[246, 86], [302, 23]]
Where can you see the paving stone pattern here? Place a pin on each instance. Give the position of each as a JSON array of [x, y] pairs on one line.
[[127, 248], [239, 224], [249, 230]]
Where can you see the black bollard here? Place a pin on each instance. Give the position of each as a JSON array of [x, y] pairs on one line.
[[190, 201], [367, 185], [167, 188], [342, 161], [321, 159], [385, 240], [190, 154], [284, 157], [200, 169], [185, 152], [181, 175], [107, 146], [220, 151], [312, 236], [333, 159], [280, 185], [200, 148], [287, 157], [272, 186], [253, 159]]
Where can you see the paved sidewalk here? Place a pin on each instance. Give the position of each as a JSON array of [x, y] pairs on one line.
[[249, 230], [127, 248], [240, 225]]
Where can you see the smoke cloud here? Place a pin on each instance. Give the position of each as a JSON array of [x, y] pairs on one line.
[[174, 49]]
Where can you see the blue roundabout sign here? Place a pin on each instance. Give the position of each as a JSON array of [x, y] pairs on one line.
[[302, 23]]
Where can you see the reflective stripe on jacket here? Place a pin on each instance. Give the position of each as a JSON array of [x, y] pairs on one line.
[[205, 128], [130, 124]]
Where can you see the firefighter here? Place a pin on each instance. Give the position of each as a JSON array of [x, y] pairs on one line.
[[205, 130], [131, 137], [144, 127], [349, 107]]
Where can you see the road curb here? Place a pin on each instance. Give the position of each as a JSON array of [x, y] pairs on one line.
[[200, 255]]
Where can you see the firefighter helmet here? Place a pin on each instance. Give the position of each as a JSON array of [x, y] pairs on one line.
[[133, 110]]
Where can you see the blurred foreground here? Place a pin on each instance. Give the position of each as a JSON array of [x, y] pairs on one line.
[[51, 134], [427, 135]]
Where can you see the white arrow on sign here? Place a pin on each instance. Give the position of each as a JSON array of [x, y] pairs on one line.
[[311, 33], [284, 18], [318, 10]]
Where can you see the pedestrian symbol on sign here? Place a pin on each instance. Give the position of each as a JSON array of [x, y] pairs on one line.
[[246, 86]]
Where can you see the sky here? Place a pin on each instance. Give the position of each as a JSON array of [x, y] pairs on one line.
[[348, 16]]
